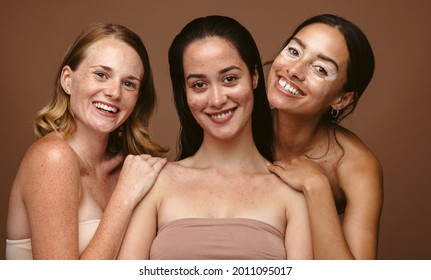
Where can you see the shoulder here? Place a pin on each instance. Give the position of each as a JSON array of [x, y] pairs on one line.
[[51, 149], [357, 152], [359, 165], [47, 159], [282, 191]]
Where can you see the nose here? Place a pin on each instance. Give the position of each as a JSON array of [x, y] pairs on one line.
[[217, 97], [296, 69], [113, 90]]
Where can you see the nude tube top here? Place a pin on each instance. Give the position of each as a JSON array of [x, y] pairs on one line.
[[223, 239], [21, 249]]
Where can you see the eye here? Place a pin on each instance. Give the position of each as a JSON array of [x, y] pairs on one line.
[[198, 85], [293, 51], [101, 75], [230, 79], [321, 70], [130, 85]]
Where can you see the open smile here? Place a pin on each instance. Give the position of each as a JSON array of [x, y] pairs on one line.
[[105, 108], [287, 87]]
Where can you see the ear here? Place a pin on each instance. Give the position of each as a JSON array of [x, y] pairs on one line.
[[255, 79], [343, 101], [66, 78]]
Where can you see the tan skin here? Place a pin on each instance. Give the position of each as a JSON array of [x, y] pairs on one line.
[[66, 180], [308, 156], [218, 81]]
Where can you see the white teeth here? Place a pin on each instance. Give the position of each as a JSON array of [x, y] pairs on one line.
[[289, 88], [222, 115], [105, 107]]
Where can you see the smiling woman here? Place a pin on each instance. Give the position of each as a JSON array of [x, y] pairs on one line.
[[315, 81], [219, 201], [69, 199]]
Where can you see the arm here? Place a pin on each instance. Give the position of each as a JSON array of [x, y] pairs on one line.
[[298, 240], [137, 176], [142, 229], [52, 202], [357, 237]]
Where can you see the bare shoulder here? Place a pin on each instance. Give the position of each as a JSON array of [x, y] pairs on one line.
[[50, 157], [281, 190], [356, 151], [170, 173], [51, 148], [359, 165]]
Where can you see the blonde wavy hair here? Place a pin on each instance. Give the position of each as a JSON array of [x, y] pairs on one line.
[[134, 136]]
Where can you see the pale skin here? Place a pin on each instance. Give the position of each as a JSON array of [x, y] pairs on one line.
[[66, 180], [218, 82], [308, 156]]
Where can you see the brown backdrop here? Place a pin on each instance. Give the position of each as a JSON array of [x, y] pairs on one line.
[[393, 117]]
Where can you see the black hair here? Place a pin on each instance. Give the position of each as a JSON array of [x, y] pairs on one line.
[[191, 133]]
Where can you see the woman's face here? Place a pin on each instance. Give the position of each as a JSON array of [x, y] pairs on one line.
[[308, 75], [219, 87], [105, 86]]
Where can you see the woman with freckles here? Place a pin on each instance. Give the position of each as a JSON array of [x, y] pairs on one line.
[[69, 199], [314, 82], [219, 201]]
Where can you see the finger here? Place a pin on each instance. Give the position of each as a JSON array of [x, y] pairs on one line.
[[153, 160], [281, 164], [275, 169], [158, 165], [145, 156]]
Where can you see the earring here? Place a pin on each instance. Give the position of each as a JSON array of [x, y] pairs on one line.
[[334, 113]]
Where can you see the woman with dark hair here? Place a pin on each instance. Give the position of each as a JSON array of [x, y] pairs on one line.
[[69, 200], [219, 201], [315, 81]]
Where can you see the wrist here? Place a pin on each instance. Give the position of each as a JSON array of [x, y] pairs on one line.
[[315, 185]]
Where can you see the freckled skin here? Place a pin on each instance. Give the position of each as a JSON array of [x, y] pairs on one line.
[[227, 177]]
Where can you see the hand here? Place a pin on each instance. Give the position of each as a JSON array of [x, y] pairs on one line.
[[138, 175], [297, 172]]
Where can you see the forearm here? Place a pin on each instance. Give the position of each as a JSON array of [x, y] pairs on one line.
[[327, 234], [107, 240]]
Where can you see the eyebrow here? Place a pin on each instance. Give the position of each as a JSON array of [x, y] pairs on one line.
[[223, 71], [109, 69], [321, 56]]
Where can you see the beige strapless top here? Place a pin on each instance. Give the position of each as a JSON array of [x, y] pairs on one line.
[[223, 239], [21, 249]]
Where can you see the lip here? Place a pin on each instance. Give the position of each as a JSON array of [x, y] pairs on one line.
[[97, 104], [221, 117], [299, 94]]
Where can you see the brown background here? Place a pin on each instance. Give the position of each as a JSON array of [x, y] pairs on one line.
[[393, 117]]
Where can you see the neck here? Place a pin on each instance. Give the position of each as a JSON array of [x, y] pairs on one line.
[[238, 154], [90, 147]]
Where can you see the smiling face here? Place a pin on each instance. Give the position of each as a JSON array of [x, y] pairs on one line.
[[219, 87], [105, 86], [308, 75]]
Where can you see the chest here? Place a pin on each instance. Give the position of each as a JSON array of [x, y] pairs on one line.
[[95, 194], [220, 196]]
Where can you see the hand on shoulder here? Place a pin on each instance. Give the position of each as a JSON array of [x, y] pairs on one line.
[[138, 175]]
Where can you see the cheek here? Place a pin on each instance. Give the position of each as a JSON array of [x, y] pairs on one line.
[[246, 99], [132, 99], [195, 103]]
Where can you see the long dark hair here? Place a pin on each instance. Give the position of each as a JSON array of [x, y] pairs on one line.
[[360, 67], [191, 133]]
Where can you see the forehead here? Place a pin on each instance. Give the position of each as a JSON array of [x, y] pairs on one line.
[[323, 39], [111, 51], [210, 51]]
